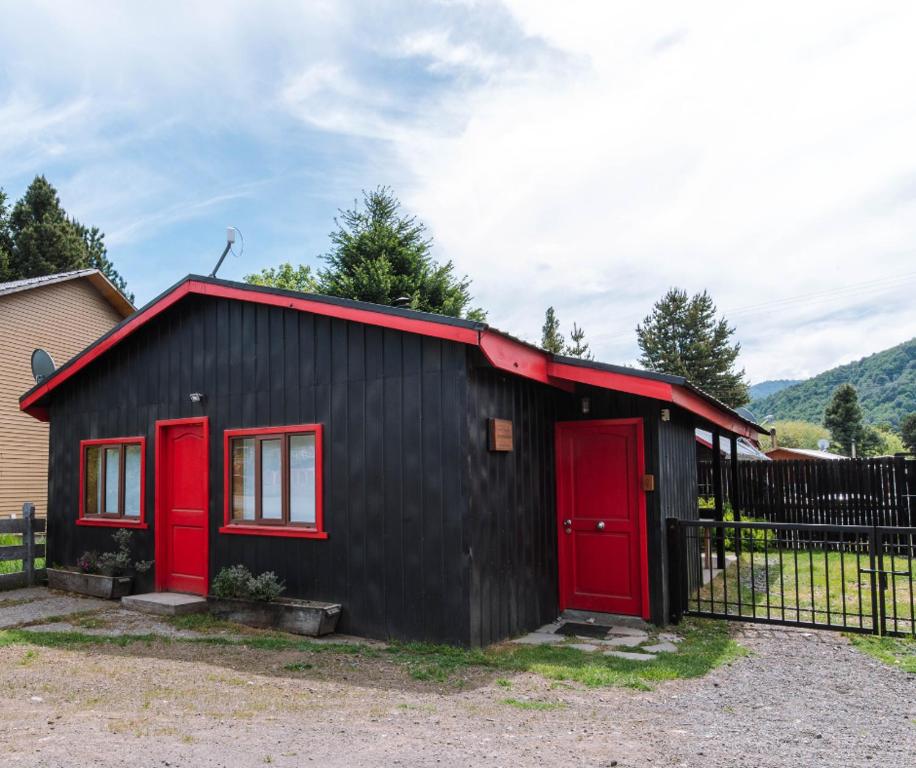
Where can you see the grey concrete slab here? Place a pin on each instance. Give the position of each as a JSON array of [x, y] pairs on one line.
[[37, 604], [539, 638], [165, 603], [630, 655], [587, 647], [661, 647]]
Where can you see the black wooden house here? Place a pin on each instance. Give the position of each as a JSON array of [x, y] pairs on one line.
[[441, 480]]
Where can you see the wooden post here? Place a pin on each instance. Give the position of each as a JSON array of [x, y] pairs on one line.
[[717, 492], [735, 488], [28, 539]]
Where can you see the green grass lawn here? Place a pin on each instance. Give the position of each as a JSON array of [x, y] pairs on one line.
[[895, 651], [15, 540], [808, 586], [706, 644]]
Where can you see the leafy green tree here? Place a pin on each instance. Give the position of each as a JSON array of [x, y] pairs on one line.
[[891, 442], [551, 338], [797, 434], [286, 276], [843, 417], [578, 347], [38, 238], [381, 255], [683, 336], [908, 432]]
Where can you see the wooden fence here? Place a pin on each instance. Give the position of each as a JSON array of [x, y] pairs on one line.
[[28, 551], [831, 491]]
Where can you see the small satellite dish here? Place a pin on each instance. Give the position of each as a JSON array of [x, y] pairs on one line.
[[42, 365], [823, 444], [746, 413]]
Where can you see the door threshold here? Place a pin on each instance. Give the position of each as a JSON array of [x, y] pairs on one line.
[[604, 619]]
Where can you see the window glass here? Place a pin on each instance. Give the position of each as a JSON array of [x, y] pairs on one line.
[[271, 480], [132, 481], [243, 479], [112, 479], [93, 480], [302, 478]]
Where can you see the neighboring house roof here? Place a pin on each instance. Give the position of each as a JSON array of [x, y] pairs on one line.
[[501, 350], [808, 453], [94, 276], [746, 450]]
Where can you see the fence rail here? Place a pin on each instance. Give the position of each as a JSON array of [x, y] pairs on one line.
[[851, 577], [29, 529], [822, 491]]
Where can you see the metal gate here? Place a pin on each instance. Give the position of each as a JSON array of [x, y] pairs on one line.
[[846, 577]]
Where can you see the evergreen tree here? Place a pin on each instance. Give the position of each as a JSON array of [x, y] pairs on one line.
[[578, 347], [551, 338], [908, 432], [843, 417], [683, 336], [285, 276], [380, 255], [38, 238], [6, 242]]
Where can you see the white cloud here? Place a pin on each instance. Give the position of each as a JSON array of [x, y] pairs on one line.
[[724, 149], [442, 54]]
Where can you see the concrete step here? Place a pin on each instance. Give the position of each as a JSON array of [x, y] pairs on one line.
[[165, 603]]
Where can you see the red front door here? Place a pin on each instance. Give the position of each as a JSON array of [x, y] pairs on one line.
[[601, 516], [182, 503]]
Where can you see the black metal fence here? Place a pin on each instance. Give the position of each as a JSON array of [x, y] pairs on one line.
[[821, 491], [850, 577]]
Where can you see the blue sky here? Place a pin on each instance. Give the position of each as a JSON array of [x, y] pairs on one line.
[[585, 155]]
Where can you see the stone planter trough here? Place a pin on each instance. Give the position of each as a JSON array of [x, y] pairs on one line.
[[301, 617], [93, 584]]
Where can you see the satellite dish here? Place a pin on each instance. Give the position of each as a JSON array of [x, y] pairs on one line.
[[42, 365], [823, 444], [746, 413]]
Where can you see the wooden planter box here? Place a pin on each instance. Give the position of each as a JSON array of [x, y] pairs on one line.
[[301, 617], [96, 585]]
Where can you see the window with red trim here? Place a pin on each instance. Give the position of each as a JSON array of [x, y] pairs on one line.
[[112, 481], [273, 480]]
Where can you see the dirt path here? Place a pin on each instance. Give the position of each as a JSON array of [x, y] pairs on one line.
[[801, 699]]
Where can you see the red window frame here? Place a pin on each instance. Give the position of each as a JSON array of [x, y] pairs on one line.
[[112, 521], [278, 528]]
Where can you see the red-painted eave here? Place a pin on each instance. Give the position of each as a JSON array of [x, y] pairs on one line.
[[409, 324], [501, 351]]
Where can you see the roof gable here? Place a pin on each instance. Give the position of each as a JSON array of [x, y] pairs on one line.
[[500, 349], [101, 283]]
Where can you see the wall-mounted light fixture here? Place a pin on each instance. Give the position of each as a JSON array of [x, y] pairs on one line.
[[586, 404], [197, 397], [666, 414]]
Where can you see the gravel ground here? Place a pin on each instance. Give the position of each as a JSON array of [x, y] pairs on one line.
[[800, 699]]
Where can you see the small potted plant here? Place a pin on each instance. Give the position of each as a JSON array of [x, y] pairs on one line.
[[240, 596], [108, 575]]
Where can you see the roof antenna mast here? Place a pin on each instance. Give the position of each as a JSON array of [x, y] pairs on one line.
[[230, 241]]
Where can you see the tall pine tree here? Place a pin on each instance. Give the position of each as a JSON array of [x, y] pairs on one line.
[[578, 347], [382, 255], [551, 338], [683, 336], [38, 238], [843, 417]]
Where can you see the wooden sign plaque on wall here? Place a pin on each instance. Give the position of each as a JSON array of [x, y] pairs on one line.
[[500, 434]]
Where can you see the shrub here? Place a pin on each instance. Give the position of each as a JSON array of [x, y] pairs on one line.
[[237, 582], [117, 563]]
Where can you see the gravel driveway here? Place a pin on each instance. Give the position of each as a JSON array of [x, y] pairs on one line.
[[800, 699]]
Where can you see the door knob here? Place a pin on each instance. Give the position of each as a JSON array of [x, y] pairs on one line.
[[600, 525], [567, 523]]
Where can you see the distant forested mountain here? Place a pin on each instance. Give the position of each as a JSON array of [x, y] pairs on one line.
[[886, 382], [767, 388]]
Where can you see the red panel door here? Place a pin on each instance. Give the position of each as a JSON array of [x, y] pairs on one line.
[[182, 503], [601, 516]]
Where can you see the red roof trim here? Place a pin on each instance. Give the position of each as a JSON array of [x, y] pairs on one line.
[[501, 351]]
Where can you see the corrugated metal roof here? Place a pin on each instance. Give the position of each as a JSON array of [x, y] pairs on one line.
[[33, 282]]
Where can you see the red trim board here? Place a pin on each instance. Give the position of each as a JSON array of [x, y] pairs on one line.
[[288, 531], [113, 522]]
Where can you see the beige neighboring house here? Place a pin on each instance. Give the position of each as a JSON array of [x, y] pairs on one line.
[[62, 314]]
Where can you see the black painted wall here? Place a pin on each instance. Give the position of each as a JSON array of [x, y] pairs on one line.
[[393, 406], [431, 536]]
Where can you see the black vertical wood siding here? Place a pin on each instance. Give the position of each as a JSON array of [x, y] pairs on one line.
[[393, 406], [511, 528]]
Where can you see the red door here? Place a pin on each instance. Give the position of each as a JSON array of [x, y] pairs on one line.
[[601, 516], [182, 503]]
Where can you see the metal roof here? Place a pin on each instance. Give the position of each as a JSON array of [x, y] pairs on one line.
[[99, 280]]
